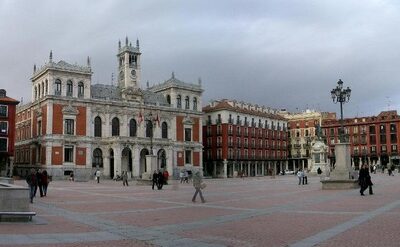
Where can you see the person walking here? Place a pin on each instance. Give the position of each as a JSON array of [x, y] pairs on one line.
[[39, 182], [155, 179], [125, 178], [160, 180], [45, 182], [181, 175], [31, 179], [305, 177], [198, 185], [300, 175], [166, 176], [364, 180], [98, 176]]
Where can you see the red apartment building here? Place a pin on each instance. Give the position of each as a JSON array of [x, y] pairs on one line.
[[374, 140], [243, 138], [7, 132]]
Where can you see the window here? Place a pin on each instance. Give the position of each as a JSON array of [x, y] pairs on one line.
[[188, 134], [168, 99], [97, 126], [68, 126], [394, 148], [382, 129], [69, 154], [132, 128], [179, 101], [115, 127], [58, 87], [187, 106], [3, 128], [39, 128], [69, 88], [3, 111], [164, 130], [97, 158], [149, 128], [188, 156], [392, 128], [3, 145], [194, 104], [372, 129], [36, 94], [81, 90]]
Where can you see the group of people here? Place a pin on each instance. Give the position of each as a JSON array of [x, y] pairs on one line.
[[185, 176], [302, 176], [37, 179], [160, 179]]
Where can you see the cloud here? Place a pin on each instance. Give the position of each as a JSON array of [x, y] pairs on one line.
[[284, 54]]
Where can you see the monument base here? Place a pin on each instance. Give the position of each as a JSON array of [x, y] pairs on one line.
[[339, 184]]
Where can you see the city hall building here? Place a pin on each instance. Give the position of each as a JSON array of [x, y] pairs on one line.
[[72, 125]]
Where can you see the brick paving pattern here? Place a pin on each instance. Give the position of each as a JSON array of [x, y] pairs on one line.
[[259, 211]]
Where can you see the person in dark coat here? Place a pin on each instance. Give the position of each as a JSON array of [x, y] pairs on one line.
[[31, 179], [39, 182], [364, 180], [45, 182], [155, 179], [160, 180]]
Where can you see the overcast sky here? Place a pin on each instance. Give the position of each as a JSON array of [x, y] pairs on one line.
[[277, 53]]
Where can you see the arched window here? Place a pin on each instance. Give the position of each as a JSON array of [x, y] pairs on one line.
[[115, 127], [36, 96], [69, 88], [179, 101], [39, 91], [132, 127], [47, 87], [164, 130], [80, 90], [97, 158], [187, 106], [97, 127], [149, 128], [169, 99], [42, 89], [194, 104], [57, 90]]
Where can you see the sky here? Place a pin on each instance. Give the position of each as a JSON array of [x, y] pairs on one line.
[[277, 53]]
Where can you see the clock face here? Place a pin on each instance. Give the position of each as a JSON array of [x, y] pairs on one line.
[[133, 73]]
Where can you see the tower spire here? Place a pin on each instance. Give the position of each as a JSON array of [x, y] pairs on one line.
[[137, 43], [173, 75], [51, 56], [119, 44], [126, 41], [34, 68], [88, 61]]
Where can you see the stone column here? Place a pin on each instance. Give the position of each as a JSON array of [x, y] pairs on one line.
[[225, 163], [343, 159], [248, 169], [215, 169], [263, 169]]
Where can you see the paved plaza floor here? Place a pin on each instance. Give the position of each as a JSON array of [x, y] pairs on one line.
[[261, 211]]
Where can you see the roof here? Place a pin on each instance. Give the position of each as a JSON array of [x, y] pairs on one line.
[[9, 101], [224, 105], [174, 82], [101, 91], [62, 65]]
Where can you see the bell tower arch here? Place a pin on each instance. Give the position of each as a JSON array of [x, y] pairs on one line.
[[129, 69]]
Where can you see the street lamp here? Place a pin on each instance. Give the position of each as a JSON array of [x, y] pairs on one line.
[[342, 96]]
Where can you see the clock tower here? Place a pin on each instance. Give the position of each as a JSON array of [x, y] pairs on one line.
[[129, 65]]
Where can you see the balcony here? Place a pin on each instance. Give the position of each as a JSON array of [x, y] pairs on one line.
[[246, 145], [230, 120], [230, 132]]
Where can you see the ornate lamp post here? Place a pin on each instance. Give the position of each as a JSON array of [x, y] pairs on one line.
[[342, 96]]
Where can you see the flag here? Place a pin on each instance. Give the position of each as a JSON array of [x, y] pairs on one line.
[[140, 117], [158, 120]]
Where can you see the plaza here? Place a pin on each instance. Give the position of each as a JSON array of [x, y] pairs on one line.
[[256, 211]]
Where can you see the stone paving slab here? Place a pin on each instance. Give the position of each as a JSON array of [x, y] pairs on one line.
[[239, 212]]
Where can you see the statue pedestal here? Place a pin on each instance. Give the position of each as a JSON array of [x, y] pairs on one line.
[[340, 177]]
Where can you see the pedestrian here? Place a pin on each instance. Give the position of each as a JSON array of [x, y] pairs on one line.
[[305, 177], [125, 178], [39, 182], [181, 175], [155, 179], [71, 176], [186, 176], [392, 170], [98, 176], [319, 171], [299, 175], [160, 181], [198, 185], [45, 182], [31, 179], [374, 169], [364, 180], [166, 176]]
